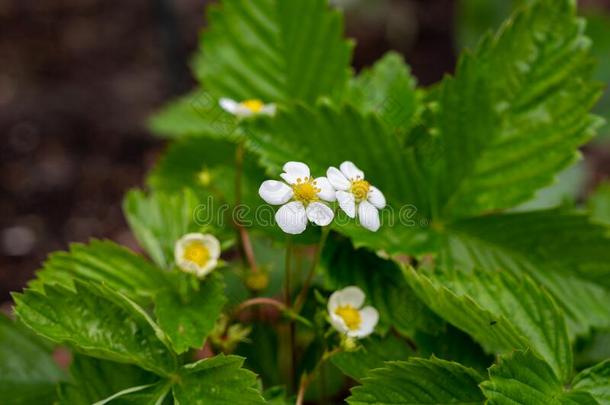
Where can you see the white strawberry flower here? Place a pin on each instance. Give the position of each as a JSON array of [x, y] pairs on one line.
[[300, 197], [197, 253], [348, 316], [356, 196], [247, 108]]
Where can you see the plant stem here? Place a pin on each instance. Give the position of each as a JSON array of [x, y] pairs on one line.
[[306, 379], [260, 301], [312, 270], [290, 353]]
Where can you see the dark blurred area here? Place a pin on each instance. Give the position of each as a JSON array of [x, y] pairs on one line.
[[78, 79]]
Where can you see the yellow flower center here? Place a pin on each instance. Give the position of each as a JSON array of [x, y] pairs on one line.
[[305, 190], [350, 316], [254, 105], [196, 252], [360, 189]]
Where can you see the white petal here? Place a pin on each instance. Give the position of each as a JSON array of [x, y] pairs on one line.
[[228, 105], [376, 198], [212, 244], [351, 295], [347, 203], [351, 171], [369, 317], [242, 111], [294, 171], [269, 109], [292, 218], [319, 213], [275, 192], [368, 216], [338, 323], [337, 179], [327, 191], [207, 269]]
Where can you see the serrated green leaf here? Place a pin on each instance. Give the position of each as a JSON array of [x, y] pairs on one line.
[[28, 373], [373, 353], [103, 262], [218, 380], [267, 50], [523, 378], [159, 219], [93, 380], [388, 89], [383, 284], [514, 114], [499, 311], [561, 250], [419, 381], [188, 319], [595, 381], [98, 322]]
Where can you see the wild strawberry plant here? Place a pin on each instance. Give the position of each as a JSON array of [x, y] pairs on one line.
[[316, 235]]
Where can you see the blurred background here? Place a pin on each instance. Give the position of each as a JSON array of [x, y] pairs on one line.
[[78, 79]]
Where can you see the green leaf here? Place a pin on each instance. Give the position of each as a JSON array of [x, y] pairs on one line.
[[599, 204], [523, 378], [188, 319], [562, 250], [595, 381], [389, 90], [103, 262], [97, 321], [267, 50], [419, 381], [94, 380], [372, 354], [499, 311], [218, 380], [159, 219], [383, 284], [514, 114], [28, 374]]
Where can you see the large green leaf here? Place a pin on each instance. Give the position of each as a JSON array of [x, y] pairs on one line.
[[595, 381], [523, 378], [383, 284], [218, 380], [159, 219], [561, 250], [28, 374], [514, 114], [419, 381], [94, 380], [97, 321], [501, 312], [188, 318], [104, 262], [274, 50]]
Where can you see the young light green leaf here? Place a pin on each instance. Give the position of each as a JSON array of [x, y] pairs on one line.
[[268, 50], [188, 319], [218, 380], [523, 378], [97, 321], [595, 381], [159, 219], [28, 374], [499, 311], [104, 262], [419, 382]]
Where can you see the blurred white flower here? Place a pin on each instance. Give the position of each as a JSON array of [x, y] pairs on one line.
[[356, 196], [247, 108], [300, 197], [347, 315], [197, 253]]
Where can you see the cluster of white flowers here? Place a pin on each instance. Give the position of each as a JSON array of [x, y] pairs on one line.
[[303, 197]]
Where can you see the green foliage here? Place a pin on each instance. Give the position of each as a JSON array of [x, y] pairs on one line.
[[419, 381], [28, 373], [596, 381]]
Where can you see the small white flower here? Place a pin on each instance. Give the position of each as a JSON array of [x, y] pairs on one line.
[[197, 253], [247, 108], [300, 198], [347, 315], [356, 196]]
